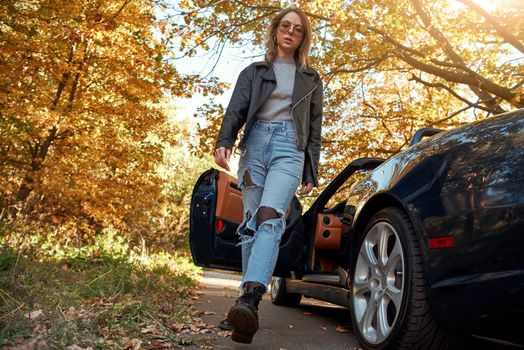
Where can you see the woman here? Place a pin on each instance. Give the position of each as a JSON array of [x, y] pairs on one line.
[[279, 101]]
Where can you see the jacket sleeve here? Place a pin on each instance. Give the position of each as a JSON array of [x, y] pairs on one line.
[[310, 173], [236, 112]]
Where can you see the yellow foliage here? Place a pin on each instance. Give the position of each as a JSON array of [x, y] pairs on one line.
[[83, 127], [390, 67]]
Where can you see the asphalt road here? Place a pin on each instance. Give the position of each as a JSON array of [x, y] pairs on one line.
[[312, 325]]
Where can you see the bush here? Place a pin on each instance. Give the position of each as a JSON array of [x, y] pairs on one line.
[[91, 295]]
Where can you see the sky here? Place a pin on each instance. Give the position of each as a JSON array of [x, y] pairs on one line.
[[229, 65], [227, 69]]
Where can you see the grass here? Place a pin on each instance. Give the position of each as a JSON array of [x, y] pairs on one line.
[[104, 295]]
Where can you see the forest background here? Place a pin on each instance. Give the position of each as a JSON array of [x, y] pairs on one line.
[[99, 147]]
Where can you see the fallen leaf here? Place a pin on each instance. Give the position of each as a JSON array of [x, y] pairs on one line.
[[133, 276], [33, 315], [341, 329], [40, 329], [160, 344], [205, 313], [71, 314], [149, 329], [291, 326], [76, 347], [105, 332], [323, 327], [224, 334], [308, 313], [178, 326], [133, 344]]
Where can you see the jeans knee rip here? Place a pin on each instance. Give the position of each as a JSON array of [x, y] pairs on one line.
[[251, 224], [244, 238], [246, 181]]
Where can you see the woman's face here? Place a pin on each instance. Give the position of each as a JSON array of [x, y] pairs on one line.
[[290, 33]]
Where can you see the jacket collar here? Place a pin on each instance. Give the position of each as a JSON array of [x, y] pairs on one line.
[[304, 83], [269, 73]]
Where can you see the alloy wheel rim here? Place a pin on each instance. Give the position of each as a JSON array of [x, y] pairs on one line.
[[275, 286], [378, 284]]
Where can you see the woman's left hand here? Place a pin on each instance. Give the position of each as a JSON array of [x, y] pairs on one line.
[[305, 188]]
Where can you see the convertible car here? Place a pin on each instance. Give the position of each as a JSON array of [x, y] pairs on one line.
[[423, 248]]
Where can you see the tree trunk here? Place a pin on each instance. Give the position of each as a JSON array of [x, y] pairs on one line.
[[38, 156]]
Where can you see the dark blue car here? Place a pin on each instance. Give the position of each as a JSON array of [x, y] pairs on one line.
[[423, 248]]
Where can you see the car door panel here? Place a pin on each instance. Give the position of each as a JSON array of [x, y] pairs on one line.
[[211, 240]]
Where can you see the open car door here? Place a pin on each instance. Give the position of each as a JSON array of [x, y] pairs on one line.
[[329, 219], [216, 212]]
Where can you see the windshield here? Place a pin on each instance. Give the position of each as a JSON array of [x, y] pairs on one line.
[[343, 192]]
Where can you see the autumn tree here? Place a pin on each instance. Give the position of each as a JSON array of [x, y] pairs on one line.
[[82, 124], [390, 67]]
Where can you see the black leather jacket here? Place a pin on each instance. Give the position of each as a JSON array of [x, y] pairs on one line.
[[253, 87]]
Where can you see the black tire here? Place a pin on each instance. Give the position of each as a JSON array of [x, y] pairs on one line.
[[413, 324], [279, 294]]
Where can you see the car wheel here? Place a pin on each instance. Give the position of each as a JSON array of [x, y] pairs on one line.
[[279, 294], [390, 305]]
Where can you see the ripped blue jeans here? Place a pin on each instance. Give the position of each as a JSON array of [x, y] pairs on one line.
[[274, 164]]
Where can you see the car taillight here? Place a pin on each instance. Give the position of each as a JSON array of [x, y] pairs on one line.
[[220, 225], [442, 242]]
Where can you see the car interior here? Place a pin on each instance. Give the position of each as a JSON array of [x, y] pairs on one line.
[[330, 234], [332, 229]]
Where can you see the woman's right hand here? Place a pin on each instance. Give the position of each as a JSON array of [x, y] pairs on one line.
[[222, 156]]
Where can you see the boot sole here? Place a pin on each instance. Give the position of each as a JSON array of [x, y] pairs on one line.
[[244, 322]]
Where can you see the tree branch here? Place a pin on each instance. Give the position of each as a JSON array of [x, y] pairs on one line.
[[450, 52], [117, 13], [63, 81], [458, 66], [356, 70], [516, 86], [278, 8], [475, 105], [392, 41], [216, 33], [447, 88], [258, 7], [483, 84], [508, 37]]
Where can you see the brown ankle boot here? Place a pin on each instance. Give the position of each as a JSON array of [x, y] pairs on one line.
[[243, 316]]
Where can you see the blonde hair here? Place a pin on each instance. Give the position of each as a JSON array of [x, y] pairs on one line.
[[302, 52]]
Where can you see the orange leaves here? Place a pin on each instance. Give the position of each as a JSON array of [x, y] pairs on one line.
[[186, 4], [98, 77]]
